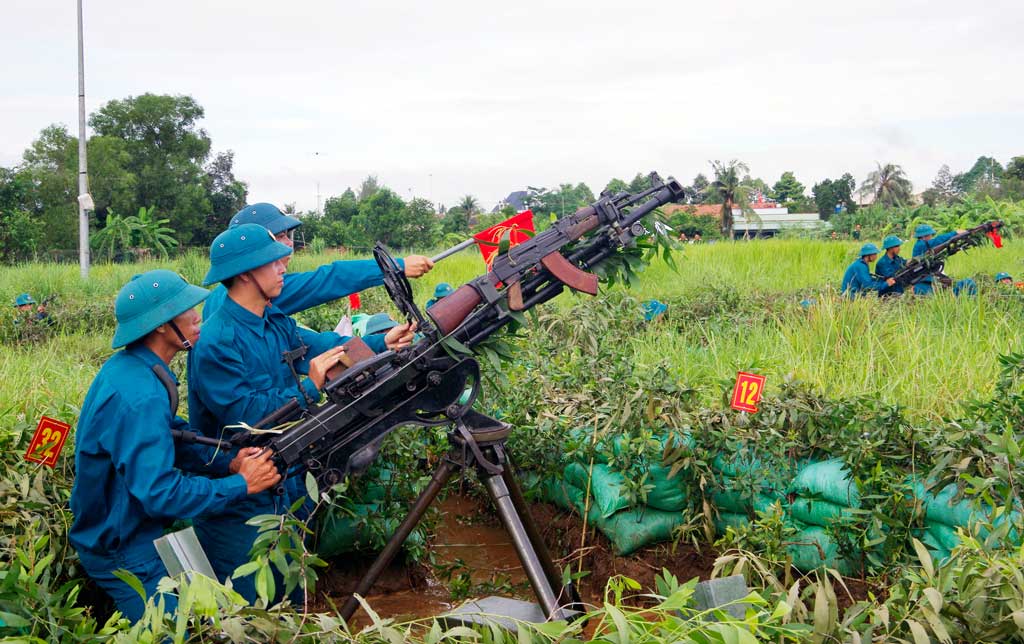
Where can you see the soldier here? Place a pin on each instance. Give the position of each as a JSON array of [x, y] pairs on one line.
[[128, 488], [926, 239], [441, 291], [329, 282], [889, 263], [239, 375], [1004, 279], [857, 278]]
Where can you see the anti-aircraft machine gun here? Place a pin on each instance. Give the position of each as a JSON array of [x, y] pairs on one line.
[[933, 261], [422, 385]]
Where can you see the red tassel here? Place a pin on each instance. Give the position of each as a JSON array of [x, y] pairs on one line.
[[353, 301], [997, 240]]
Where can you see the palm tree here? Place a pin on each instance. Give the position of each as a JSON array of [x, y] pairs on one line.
[[728, 187], [151, 233], [471, 206], [889, 185]]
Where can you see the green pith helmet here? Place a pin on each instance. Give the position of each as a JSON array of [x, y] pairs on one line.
[[891, 242], [266, 215], [923, 230], [868, 249], [149, 300], [241, 249], [379, 323], [23, 299], [444, 289], [1003, 276]]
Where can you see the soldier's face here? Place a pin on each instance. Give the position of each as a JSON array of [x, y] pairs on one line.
[[271, 277], [188, 324]]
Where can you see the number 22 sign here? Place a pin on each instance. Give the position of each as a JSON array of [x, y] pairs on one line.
[[747, 392], [47, 441]]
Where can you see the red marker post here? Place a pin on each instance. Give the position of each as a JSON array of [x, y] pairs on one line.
[[47, 441], [747, 392]]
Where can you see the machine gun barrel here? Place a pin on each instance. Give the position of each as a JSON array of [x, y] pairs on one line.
[[932, 261]]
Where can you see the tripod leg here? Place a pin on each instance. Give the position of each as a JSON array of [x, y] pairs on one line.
[[499, 492], [523, 510], [441, 475]]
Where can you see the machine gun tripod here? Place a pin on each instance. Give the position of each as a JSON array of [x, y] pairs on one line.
[[478, 442]]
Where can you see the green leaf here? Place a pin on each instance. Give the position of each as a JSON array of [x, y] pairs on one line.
[[312, 489], [10, 620], [133, 581]]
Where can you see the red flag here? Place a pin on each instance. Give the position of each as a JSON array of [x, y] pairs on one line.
[[996, 238], [353, 301], [516, 227]]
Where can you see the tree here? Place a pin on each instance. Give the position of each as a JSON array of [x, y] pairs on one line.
[[227, 194], [984, 176], [1015, 169], [728, 189], [455, 221], [368, 187], [152, 234], [697, 191], [787, 188], [342, 208], [889, 185], [830, 196], [167, 151], [944, 189]]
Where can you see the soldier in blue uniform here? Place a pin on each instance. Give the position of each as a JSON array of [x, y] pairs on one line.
[[329, 282], [889, 263], [128, 486], [441, 291], [1004, 279], [927, 239], [857, 279], [237, 374]]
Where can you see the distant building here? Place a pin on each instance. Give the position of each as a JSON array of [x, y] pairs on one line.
[[515, 199], [770, 218]]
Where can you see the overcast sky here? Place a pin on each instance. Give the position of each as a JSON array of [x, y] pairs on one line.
[[440, 99]]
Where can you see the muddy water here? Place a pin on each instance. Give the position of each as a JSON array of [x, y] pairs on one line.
[[463, 534]]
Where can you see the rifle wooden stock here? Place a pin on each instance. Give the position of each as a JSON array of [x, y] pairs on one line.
[[449, 312], [355, 351]]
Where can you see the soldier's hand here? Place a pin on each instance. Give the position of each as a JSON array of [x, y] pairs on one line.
[[319, 365], [401, 336], [242, 454], [890, 282], [960, 232], [417, 266], [259, 472]]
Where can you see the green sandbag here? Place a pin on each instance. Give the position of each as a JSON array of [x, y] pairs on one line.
[[738, 503], [584, 437], [807, 557], [631, 530], [605, 486], [730, 520], [668, 494], [376, 490], [339, 531], [563, 494], [817, 512], [829, 480], [740, 463], [940, 507], [935, 548], [944, 535]]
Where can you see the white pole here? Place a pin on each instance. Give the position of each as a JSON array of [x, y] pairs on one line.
[[83, 177]]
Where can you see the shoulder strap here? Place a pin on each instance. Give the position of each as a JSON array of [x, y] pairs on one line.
[[168, 383]]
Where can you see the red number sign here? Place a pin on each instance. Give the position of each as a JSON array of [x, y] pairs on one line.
[[747, 392], [47, 441]]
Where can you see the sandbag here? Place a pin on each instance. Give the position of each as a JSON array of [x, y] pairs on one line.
[[631, 530], [829, 480], [339, 531], [563, 494], [739, 503], [605, 486], [944, 535], [730, 520], [807, 556], [941, 507], [817, 512]]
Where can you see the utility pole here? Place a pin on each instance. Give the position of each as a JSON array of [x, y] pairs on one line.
[[85, 202]]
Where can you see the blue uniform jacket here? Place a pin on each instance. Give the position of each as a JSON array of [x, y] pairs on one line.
[[305, 290], [236, 375], [924, 287], [127, 488], [858, 279], [886, 267]]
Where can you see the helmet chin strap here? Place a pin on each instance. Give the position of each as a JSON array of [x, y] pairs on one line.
[[181, 336], [258, 287]]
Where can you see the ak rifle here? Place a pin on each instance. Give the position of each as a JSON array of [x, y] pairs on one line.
[[932, 262], [373, 394]]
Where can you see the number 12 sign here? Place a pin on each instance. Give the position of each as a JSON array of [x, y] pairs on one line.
[[47, 441], [747, 392]]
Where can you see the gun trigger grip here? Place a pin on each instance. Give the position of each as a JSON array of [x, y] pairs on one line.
[[515, 297], [569, 274]]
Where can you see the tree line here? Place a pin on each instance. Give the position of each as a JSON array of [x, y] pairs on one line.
[[157, 184]]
